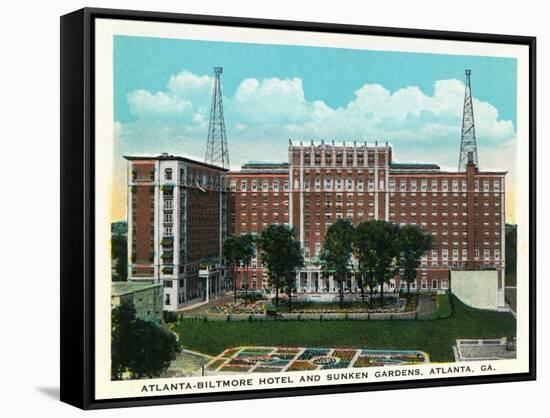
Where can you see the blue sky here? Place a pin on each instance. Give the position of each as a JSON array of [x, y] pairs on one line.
[[329, 74], [162, 92]]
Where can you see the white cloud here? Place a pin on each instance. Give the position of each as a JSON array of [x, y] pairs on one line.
[[186, 97], [267, 112], [145, 104]]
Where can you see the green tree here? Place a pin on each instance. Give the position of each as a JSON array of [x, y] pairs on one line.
[[282, 257], [232, 258], [141, 348], [377, 250], [510, 257], [366, 257], [414, 243], [247, 250], [238, 249], [119, 254], [337, 251]]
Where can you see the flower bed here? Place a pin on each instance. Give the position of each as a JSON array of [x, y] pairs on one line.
[[239, 308], [310, 353], [339, 365], [215, 364], [235, 368], [391, 305], [254, 351], [363, 362], [344, 354], [230, 352], [301, 365], [276, 359]]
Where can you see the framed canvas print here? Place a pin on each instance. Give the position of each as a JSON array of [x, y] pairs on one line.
[[258, 208]]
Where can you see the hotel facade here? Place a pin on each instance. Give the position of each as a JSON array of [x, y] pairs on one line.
[[181, 210], [323, 182], [177, 222]]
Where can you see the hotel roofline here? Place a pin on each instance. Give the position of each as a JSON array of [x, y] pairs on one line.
[[169, 157]]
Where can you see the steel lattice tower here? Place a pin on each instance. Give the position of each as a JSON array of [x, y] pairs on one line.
[[216, 147], [468, 138]]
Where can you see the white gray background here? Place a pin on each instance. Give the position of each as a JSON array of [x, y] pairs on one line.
[[29, 209]]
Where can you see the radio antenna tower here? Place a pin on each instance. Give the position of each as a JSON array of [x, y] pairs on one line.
[[468, 138], [216, 147]]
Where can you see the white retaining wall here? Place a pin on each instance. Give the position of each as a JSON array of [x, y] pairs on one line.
[[478, 288]]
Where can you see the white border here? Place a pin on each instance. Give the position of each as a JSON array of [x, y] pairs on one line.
[[105, 29]]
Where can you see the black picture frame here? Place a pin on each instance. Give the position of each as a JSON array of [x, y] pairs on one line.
[[77, 203]]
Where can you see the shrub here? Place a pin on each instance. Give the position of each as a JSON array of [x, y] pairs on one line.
[[444, 306], [168, 316]]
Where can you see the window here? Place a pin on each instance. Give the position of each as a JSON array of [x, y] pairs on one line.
[[434, 284], [254, 185], [485, 185], [392, 185], [168, 203], [168, 231], [168, 174], [168, 217], [167, 299], [243, 185], [445, 186], [403, 185], [434, 185], [167, 283], [276, 185], [233, 186], [286, 185], [413, 185]]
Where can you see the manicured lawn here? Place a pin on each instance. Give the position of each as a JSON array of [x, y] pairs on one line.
[[444, 308], [435, 337]]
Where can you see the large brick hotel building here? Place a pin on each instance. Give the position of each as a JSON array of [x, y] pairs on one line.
[[177, 212], [464, 211], [321, 182]]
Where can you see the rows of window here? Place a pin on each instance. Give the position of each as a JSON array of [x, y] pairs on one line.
[[443, 185], [259, 185], [339, 158]]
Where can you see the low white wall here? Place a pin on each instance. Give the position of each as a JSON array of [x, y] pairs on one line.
[[477, 288]]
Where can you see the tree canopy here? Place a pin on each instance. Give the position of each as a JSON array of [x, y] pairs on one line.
[[119, 252], [335, 258], [414, 243], [377, 245], [282, 258], [238, 249], [138, 347]]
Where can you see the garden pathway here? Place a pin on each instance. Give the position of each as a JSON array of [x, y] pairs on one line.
[[426, 306], [203, 308]]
